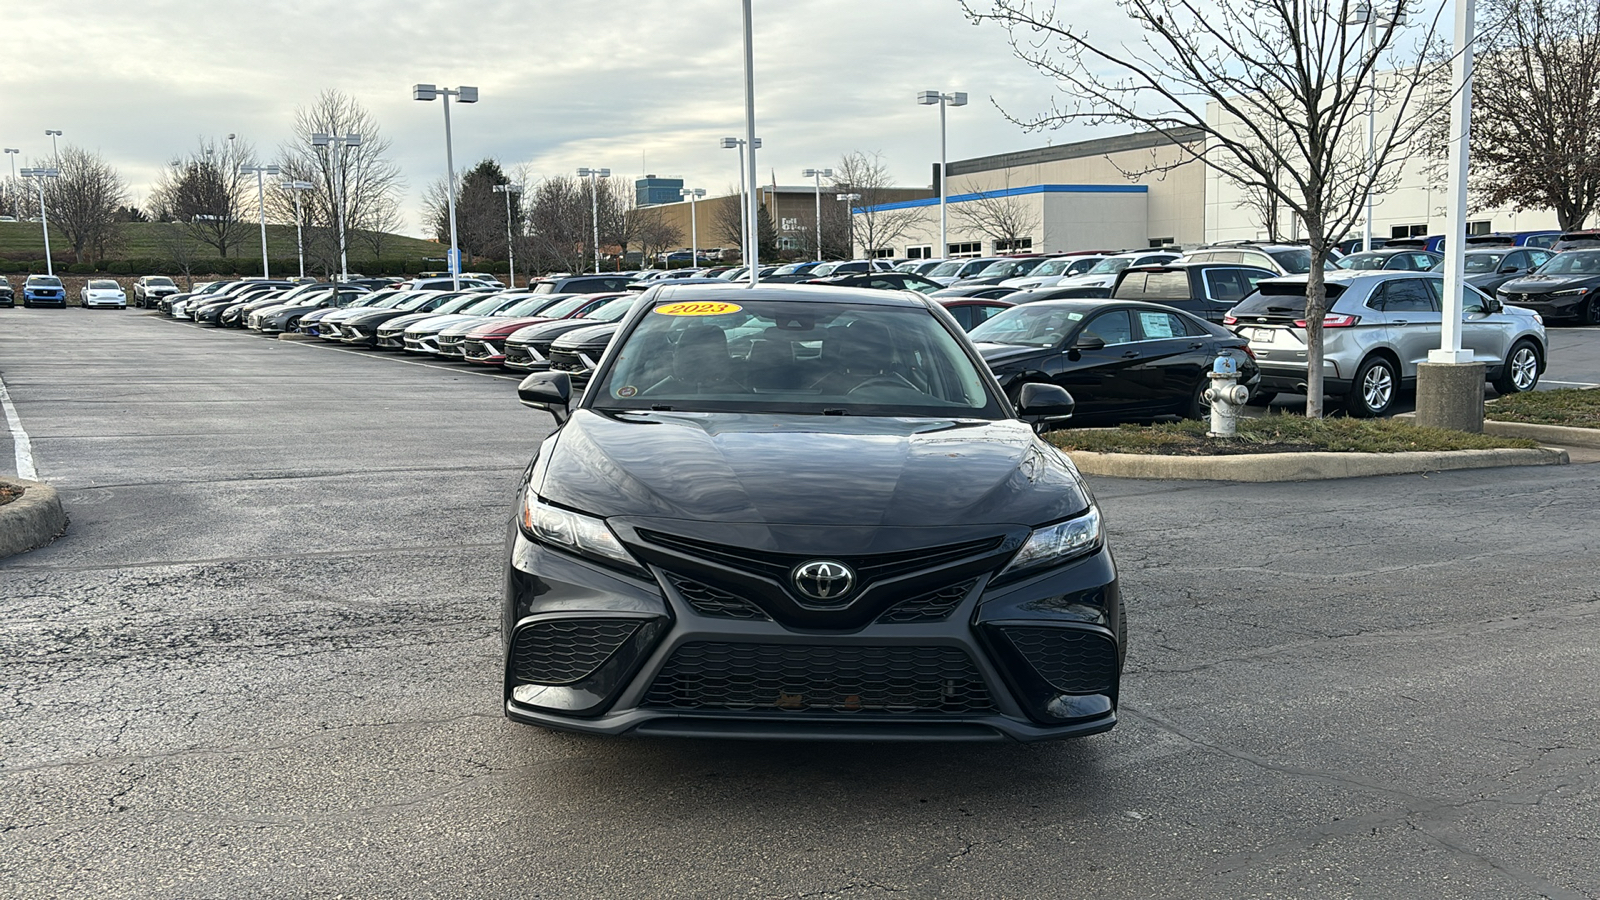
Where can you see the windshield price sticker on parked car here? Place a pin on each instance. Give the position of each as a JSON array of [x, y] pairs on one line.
[[700, 308]]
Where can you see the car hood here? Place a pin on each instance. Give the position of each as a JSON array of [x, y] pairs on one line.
[[859, 472], [1544, 284], [433, 323], [587, 337], [1000, 354], [399, 322], [352, 317], [468, 323], [524, 327]]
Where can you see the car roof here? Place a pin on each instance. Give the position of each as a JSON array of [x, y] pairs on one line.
[[1099, 303], [1351, 276], [1193, 264], [819, 293]]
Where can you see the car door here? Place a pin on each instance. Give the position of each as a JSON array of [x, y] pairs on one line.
[[1174, 357], [1481, 332], [1102, 367], [1411, 315]]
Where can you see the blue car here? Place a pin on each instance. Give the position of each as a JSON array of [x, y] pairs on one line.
[[44, 290]]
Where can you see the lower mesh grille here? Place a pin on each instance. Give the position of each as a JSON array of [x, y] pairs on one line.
[[934, 607], [1073, 661], [566, 651], [820, 678], [709, 601]]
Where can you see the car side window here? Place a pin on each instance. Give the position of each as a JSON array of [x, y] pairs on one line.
[[1408, 295], [981, 314], [1157, 326], [1422, 262], [1518, 259], [1539, 257], [963, 316], [1112, 327], [1225, 285]]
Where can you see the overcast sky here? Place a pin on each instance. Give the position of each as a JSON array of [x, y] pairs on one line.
[[647, 86]]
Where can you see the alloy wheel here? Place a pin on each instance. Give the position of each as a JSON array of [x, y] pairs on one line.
[[1524, 368]]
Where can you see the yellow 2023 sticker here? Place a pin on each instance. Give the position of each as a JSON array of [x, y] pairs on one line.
[[698, 308]]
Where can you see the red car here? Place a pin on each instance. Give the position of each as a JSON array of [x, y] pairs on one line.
[[486, 345]]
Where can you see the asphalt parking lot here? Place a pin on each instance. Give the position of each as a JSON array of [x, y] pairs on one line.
[[264, 662]]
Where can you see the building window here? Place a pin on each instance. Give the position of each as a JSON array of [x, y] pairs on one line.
[[970, 248], [788, 243], [923, 252], [1017, 245], [1405, 231], [1478, 227], [883, 253], [1158, 243]]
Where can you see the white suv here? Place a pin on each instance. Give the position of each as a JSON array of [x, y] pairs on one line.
[[1104, 273]]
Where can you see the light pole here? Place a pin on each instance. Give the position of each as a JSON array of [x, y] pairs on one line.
[[1369, 19], [336, 144], [750, 138], [427, 92], [818, 174], [44, 219], [261, 205], [694, 226], [54, 152], [929, 98], [594, 202], [511, 254], [849, 198], [295, 187], [16, 208], [733, 143]]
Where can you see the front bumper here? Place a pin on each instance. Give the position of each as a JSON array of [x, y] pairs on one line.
[[594, 650], [1569, 306]]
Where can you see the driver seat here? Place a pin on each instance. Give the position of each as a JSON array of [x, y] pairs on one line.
[[855, 353]]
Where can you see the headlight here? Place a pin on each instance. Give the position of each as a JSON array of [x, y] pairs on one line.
[[1575, 292], [579, 533], [1056, 544]]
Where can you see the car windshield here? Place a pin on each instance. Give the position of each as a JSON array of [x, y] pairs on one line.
[[1009, 268], [949, 267], [304, 290], [795, 357], [1476, 263], [485, 305], [1053, 266], [158, 281], [1295, 262], [446, 304], [1573, 262], [566, 307], [1111, 265], [612, 310], [1364, 262], [526, 306], [46, 280], [104, 286], [1029, 325]]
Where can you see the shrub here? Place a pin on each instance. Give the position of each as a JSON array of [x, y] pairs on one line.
[[119, 267], [81, 269]]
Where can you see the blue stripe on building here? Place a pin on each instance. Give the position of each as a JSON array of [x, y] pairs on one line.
[[1013, 192]]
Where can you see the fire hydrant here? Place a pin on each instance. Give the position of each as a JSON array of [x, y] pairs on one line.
[[1226, 395]]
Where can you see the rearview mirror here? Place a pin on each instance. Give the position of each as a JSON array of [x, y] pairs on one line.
[[1044, 402], [549, 391]]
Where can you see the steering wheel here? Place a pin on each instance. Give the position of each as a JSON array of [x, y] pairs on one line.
[[883, 381]]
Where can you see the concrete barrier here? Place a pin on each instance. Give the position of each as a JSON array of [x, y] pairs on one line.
[[32, 520], [1262, 467]]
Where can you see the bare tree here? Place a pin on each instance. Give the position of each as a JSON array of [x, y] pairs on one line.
[[362, 180], [84, 202], [1536, 108], [378, 227], [998, 214], [180, 245], [1231, 69], [558, 221], [873, 227], [206, 192], [654, 232]]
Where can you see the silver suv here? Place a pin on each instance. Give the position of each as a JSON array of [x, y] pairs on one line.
[[1379, 325], [1285, 259]]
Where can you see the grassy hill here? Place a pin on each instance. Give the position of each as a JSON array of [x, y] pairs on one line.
[[23, 241]]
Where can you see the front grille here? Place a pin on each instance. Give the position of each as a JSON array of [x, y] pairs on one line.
[[566, 651], [933, 607], [870, 568], [516, 353], [709, 601], [820, 678], [566, 361], [1073, 661]]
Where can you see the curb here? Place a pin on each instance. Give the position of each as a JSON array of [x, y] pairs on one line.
[[32, 520], [1559, 435], [1265, 467]]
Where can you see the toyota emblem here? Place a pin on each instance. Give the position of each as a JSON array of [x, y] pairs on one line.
[[824, 580]]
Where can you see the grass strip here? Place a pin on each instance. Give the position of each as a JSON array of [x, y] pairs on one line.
[[1279, 433], [1572, 407]]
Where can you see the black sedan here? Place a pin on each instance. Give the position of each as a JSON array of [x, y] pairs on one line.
[[786, 512], [1487, 268], [1566, 287], [1120, 361], [883, 281]]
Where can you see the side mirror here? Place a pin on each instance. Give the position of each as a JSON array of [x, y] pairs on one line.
[[549, 391], [1088, 342], [1044, 402], [1509, 270], [1493, 305]]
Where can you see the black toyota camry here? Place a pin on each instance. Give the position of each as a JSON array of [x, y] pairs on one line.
[[805, 512]]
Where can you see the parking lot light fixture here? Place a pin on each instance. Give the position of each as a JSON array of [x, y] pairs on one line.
[[39, 176], [1369, 19], [733, 143], [16, 207], [426, 92], [55, 153], [295, 188], [511, 254], [849, 198], [930, 98], [693, 194], [336, 145], [818, 174], [594, 176], [261, 205]]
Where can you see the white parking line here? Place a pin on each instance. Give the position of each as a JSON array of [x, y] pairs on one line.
[[19, 438], [1582, 384]]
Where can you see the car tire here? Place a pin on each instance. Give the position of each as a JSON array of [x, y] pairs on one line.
[[1521, 371], [1122, 634], [1261, 398], [1590, 314], [1197, 407], [1373, 390]]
